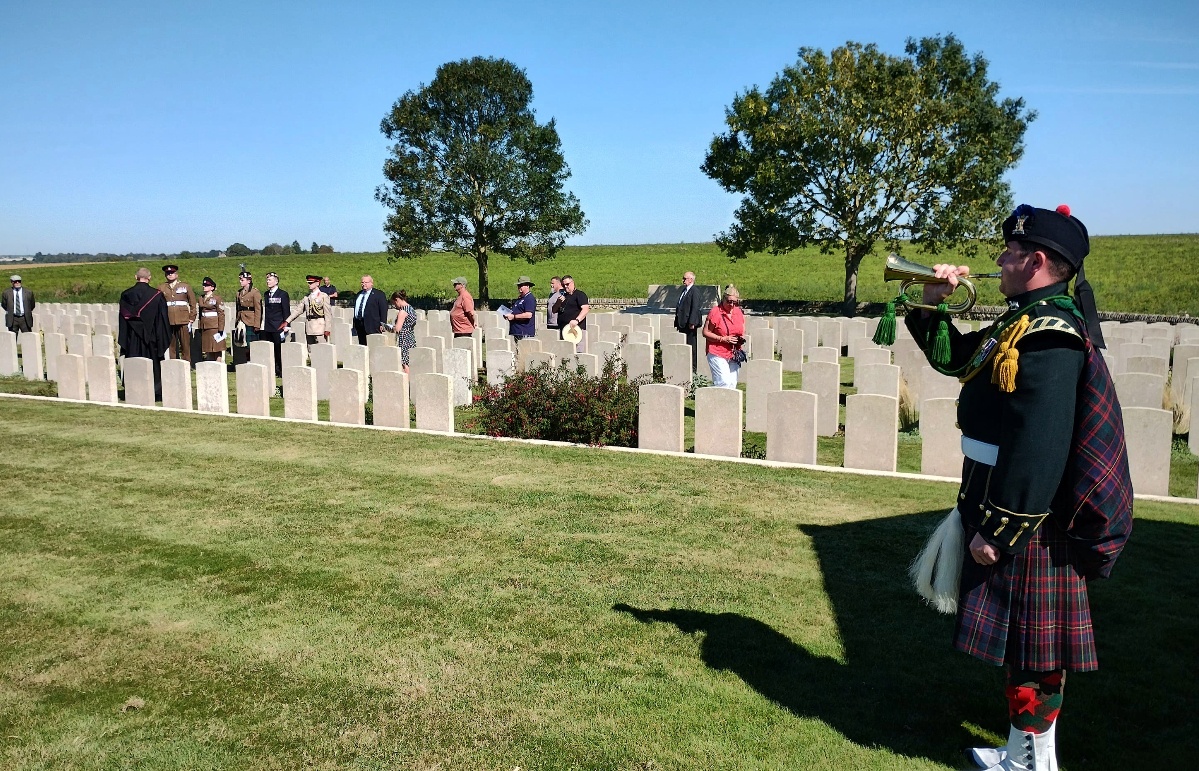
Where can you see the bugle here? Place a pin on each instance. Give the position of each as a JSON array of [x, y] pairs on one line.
[[910, 273]]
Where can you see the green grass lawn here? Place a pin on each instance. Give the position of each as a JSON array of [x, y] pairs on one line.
[[297, 595], [1125, 272]]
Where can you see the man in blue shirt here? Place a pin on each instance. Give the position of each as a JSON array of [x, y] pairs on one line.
[[522, 318]]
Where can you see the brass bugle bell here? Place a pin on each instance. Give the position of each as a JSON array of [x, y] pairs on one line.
[[899, 269]]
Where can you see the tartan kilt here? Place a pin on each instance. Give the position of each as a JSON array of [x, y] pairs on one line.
[[1029, 610]]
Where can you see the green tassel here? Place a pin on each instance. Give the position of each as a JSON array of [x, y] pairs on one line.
[[941, 351], [885, 334]]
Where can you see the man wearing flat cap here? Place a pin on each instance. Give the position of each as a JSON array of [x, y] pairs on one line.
[[18, 304], [522, 318], [462, 312], [1045, 503], [181, 312]]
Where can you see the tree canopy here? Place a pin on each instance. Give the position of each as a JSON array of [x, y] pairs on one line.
[[470, 170], [858, 147]]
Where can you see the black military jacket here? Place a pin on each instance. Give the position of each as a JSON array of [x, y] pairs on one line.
[[1032, 426]]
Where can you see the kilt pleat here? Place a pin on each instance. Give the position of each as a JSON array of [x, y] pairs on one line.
[[1028, 610]]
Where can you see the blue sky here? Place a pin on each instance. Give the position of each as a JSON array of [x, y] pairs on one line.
[[156, 127]]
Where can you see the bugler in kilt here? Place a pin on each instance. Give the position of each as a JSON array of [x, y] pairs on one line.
[[1045, 502]]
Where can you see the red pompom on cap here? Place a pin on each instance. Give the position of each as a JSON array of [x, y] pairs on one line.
[[1063, 210]]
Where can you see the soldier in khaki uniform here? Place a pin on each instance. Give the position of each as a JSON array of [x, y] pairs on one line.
[[249, 318], [315, 308], [211, 322], [181, 313]]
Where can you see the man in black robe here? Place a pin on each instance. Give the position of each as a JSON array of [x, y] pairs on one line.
[[144, 329]]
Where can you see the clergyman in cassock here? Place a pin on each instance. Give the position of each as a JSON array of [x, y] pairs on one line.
[[144, 330]]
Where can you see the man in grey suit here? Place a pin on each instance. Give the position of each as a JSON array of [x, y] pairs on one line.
[[18, 307], [688, 314]]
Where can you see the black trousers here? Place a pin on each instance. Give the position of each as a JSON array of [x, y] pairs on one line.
[[692, 341], [21, 324]]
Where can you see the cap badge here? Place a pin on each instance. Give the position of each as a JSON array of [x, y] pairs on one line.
[[1018, 229]]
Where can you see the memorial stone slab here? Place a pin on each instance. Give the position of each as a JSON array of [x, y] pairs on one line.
[[295, 354], [791, 427], [824, 354], [103, 345], [9, 364], [535, 359], [831, 334], [323, 359], [590, 363], [676, 364], [1160, 347], [263, 352], [299, 393], [1129, 350], [500, 364], [391, 399], [343, 334], [881, 379], [421, 361], [911, 363], [866, 356], [252, 394], [458, 367], [561, 349], [212, 387], [762, 378], [762, 343], [357, 357], [940, 438], [824, 379], [1188, 333], [433, 397], [347, 402], [871, 431], [811, 332], [79, 344], [138, 375], [604, 351], [380, 339], [176, 384], [1156, 365], [467, 344], [1180, 372], [639, 358], [384, 358], [660, 417], [101, 379], [791, 346], [56, 343], [1139, 389], [1149, 433], [934, 385], [72, 377], [718, 421]]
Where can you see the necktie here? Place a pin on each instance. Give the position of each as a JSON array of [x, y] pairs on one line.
[[20, 310], [361, 306]]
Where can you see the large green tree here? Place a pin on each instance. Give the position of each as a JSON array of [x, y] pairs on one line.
[[856, 148], [470, 170]]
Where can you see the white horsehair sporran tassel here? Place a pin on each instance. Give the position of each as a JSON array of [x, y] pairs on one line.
[[938, 569]]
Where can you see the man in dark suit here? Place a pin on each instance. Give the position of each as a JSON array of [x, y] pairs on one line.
[[370, 310], [688, 314], [18, 307], [276, 307]]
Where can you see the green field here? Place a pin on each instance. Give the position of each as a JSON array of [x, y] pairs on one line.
[[1138, 274], [188, 591]]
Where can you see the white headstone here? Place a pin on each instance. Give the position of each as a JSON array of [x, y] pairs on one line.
[[139, 381], [762, 378], [252, 397], [295, 354], [871, 431], [263, 352], [660, 417], [1149, 433], [718, 421], [391, 399], [212, 387], [422, 360], [882, 379], [101, 379], [791, 346], [1140, 389], [824, 379], [500, 364], [433, 397], [176, 384], [56, 344], [8, 353], [762, 343], [72, 377], [589, 362], [31, 355], [299, 392], [458, 367], [676, 364], [347, 402], [324, 361], [791, 427], [940, 438], [385, 358], [639, 358]]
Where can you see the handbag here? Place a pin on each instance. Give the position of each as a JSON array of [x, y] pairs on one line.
[[739, 356]]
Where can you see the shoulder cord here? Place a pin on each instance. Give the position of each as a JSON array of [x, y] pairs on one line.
[[995, 330]]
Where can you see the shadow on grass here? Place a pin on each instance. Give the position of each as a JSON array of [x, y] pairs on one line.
[[902, 687]]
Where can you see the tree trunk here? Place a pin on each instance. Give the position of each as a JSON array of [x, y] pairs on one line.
[[482, 297], [853, 261]]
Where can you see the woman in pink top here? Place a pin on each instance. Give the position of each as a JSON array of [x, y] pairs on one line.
[[725, 332]]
